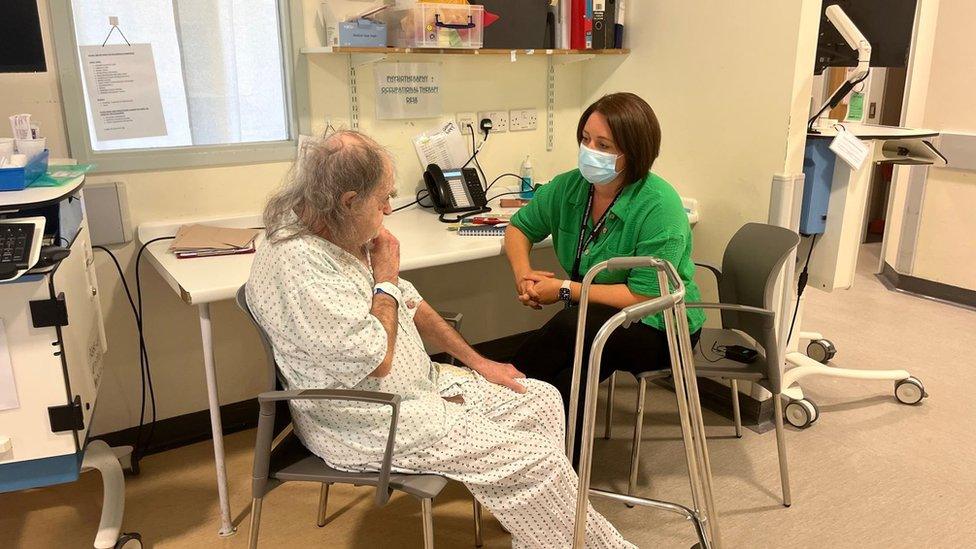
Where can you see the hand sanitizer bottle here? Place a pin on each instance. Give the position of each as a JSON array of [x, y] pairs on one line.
[[526, 174]]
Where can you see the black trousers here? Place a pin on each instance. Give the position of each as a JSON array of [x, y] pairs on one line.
[[548, 353]]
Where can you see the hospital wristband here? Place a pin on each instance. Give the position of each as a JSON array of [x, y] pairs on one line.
[[389, 289]]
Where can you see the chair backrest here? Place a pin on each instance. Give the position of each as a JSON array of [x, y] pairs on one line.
[[273, 379], [750, 266]]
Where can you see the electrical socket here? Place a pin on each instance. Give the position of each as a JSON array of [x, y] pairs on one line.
[[499, 120], [466, 118], [522, 120]]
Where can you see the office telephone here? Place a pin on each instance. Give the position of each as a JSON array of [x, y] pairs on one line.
[[455, 191]]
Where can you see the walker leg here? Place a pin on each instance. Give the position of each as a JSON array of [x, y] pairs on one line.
[[638, 432], [736, 415], [609, 419]]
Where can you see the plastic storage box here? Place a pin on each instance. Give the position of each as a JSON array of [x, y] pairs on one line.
[[362, 33], [438, 26], [17, 179]]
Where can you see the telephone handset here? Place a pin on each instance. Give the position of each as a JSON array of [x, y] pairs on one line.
[[455, 191]]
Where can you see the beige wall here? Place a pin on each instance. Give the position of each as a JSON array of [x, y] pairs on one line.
[[724, 100], [946, 249], [912, 116], [723, 79]]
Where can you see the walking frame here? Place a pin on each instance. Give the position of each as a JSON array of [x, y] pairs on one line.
[[671, 304]]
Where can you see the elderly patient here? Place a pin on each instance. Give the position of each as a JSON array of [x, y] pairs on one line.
[[326, 287]]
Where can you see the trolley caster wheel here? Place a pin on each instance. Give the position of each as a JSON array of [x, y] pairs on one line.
[[801, 413], [910, 391], [821, 350], [129, 541]]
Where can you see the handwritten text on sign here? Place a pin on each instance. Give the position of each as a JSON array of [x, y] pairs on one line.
[[408, 90]]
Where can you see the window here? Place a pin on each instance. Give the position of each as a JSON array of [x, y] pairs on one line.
[[223, 77]]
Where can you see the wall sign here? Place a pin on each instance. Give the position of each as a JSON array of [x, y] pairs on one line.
[[408, 90], [123, 92]]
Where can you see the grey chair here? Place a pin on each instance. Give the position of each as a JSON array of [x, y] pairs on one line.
[[280, 457], [746, 281]]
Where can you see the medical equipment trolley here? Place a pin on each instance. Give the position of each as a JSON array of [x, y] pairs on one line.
[[52, 341]]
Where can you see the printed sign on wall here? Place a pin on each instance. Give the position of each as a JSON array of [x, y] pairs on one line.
[[123, 91], [408, 90]]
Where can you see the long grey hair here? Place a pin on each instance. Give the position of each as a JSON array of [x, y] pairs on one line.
[[326, 168]]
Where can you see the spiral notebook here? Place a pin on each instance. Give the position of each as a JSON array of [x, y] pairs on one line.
[[482, 230]]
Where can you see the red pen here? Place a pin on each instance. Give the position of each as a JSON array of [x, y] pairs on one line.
[[488, 221]]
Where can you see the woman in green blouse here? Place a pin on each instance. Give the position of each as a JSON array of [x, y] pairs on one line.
[[611, 206]]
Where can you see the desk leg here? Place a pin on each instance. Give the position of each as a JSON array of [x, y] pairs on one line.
[[226, 527]]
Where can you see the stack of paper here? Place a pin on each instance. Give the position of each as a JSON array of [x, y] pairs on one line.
[[207, 241]]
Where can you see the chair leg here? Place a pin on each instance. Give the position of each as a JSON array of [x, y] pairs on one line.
[[478, 542], [255, 523], [609, 418], [736, 415], [784, 473], [427, 515], [323, 503], [638, 431]]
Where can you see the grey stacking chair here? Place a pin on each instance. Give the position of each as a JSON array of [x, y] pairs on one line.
[[280, 457], [746, 281]]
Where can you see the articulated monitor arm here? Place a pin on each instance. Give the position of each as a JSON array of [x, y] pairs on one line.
[[856, 40]]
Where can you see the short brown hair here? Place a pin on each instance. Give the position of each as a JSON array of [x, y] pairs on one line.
[[635, 130]]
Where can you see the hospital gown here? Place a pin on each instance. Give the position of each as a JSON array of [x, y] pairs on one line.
[[314, 300]]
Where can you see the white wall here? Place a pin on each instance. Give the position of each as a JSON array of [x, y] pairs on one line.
[[731, 94], [946, 248], [912, 116], [727, 103]]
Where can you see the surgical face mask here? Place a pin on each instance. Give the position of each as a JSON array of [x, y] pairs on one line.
[[599, 168]]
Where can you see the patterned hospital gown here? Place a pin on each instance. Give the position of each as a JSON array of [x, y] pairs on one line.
[[314, 300]]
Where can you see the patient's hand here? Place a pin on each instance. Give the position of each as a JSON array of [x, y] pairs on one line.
[[500, 374]]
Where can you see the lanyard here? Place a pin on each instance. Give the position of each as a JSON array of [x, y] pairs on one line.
[[584, 239]]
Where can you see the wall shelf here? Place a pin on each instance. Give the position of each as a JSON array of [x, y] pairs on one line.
[[366, 56], [457, 51]]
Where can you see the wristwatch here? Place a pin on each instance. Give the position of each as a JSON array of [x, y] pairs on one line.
[[389, 289], [564, 292]]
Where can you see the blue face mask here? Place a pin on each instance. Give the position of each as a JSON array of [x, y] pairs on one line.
[[599, 168]]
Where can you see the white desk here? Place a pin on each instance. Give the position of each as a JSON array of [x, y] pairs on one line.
[[424, 242]]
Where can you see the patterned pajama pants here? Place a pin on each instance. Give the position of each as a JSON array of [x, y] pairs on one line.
[[509, 450]]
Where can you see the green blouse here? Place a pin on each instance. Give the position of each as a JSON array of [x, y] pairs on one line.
[[648, 219]]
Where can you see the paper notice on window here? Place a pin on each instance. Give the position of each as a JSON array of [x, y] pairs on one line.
[[123, 91], [408, 90], [849, 148], [8, 390]]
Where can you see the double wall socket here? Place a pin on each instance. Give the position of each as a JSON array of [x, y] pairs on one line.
[[499, 120], [522, 120], [518, 120]]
